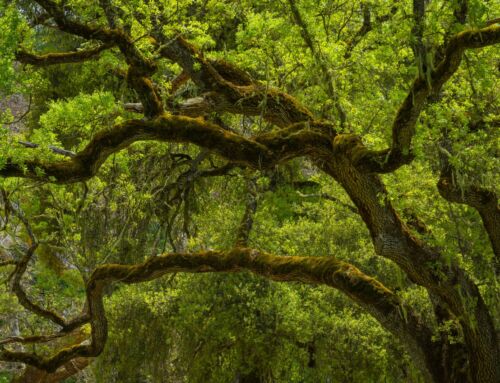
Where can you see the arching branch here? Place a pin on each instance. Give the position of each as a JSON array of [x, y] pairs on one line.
[[260, 152], [383, 304]]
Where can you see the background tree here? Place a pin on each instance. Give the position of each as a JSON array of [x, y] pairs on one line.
[[359, 139]]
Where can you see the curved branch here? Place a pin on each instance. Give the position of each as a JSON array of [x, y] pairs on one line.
[[232, 89], [383, 304], [262, 151], [23, 297], [403, 127], [20, 269], [34, 375], [140, 67]]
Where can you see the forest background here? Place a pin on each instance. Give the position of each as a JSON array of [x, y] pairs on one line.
[[216, 149]]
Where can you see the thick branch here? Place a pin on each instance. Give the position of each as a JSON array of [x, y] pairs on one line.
[[60, 58], [232, 90], [403, 128], [260, 152], [369, 293], [34, 375], [422, 264]]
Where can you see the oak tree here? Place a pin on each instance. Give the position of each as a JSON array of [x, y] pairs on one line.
[[387, 110]]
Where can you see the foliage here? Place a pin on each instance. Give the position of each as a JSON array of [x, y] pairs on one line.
[[150, 198]]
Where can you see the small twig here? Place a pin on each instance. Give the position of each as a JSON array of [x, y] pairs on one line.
[[63, 152]]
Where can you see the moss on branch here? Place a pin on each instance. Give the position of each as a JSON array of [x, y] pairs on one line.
[[403, 127], [26, 57], [259, 152], [366, 291]]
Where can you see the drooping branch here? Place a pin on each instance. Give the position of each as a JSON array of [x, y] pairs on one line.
[[383, 304], [403, 127]]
